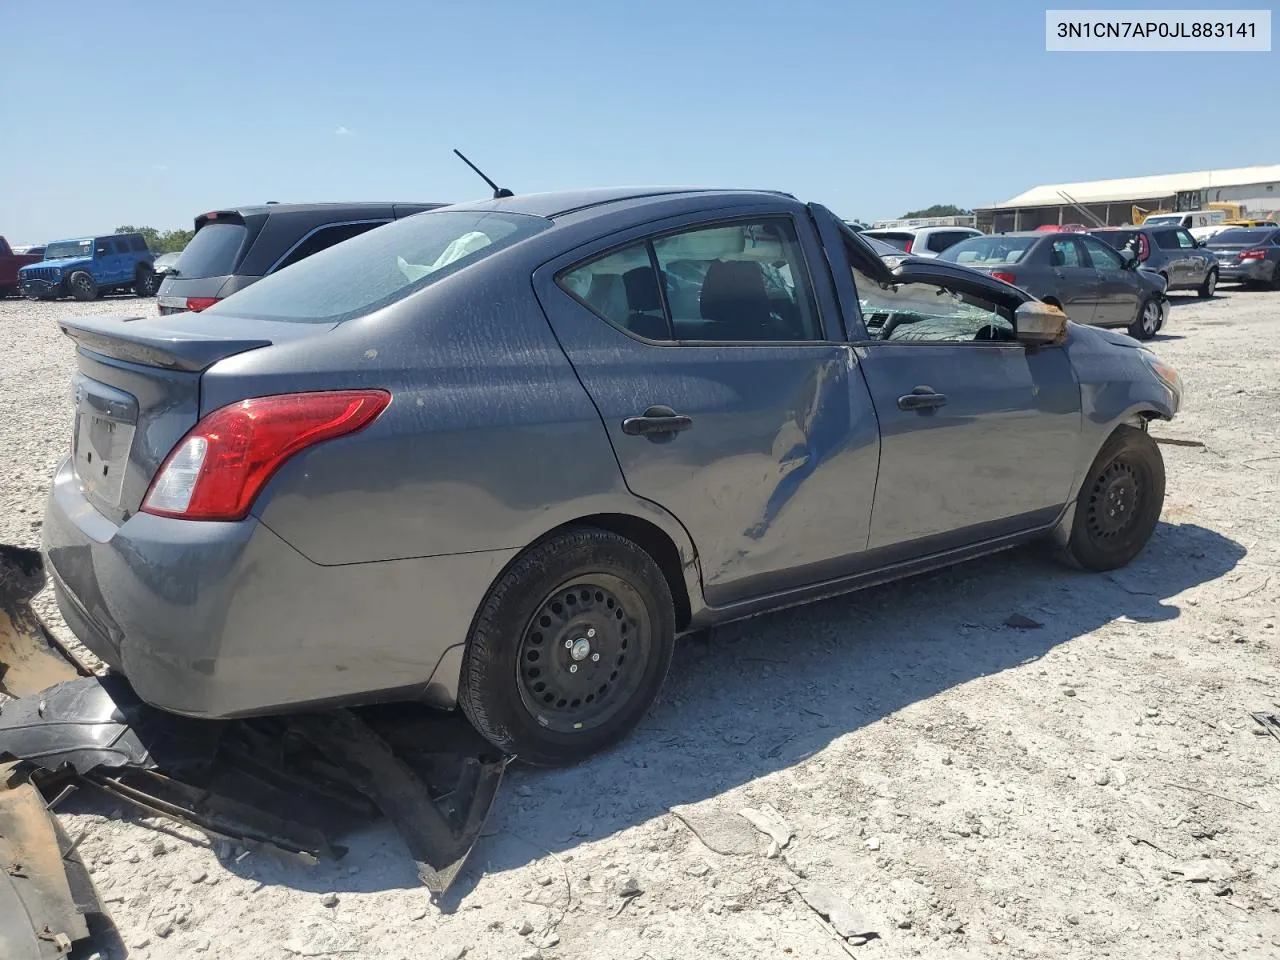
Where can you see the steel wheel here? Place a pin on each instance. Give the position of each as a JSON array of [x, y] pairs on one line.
[[582, 653], [1113, 502]]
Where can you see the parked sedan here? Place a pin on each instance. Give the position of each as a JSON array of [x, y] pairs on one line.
[[485, 456], [1248, 255], [1172, 252], [1075, 271]]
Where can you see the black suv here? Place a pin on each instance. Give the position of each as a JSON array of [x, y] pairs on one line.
[[238, 246]]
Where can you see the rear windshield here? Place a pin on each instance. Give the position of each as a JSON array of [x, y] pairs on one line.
[[68, 248], [899, 240], [213, 251], [1240, 236], [1163, 220], [1117, 239], [989, 251], [377, 268]]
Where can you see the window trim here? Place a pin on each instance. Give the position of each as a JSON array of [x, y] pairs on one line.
[[316, 229], [648, 240]]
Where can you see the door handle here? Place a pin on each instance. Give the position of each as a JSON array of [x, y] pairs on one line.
[[657, 421], [1059, 274], [922, 400]]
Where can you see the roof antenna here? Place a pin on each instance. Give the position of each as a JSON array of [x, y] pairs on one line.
[[499, 193]]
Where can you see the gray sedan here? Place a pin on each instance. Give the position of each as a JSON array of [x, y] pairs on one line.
[[494, 455], [1093, 283], [1248, 255]]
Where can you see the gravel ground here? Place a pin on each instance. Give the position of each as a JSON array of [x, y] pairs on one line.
[[1094, 787]]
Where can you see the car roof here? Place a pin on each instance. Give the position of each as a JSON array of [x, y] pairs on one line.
[[561, 203], [252, 209]]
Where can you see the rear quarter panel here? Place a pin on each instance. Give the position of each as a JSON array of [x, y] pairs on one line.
[[489, 442]]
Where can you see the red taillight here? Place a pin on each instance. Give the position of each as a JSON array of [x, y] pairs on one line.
[[218, 469], [196, 304], [1006, 277], [907, 248], [1144, 247], [1253, 254]]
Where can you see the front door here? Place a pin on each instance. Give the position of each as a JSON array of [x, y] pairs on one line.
[[728, 399], [1119, 290], [1073, 279], [979, 435]]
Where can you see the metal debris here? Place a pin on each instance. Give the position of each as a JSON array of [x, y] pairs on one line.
[[1270, 723]]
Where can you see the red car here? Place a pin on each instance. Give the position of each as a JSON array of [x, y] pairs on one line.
[[10, 263]]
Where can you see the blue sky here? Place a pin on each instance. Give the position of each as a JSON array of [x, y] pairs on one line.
[[149, 113]]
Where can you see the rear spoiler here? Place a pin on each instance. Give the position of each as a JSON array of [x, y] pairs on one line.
[[147, 341]]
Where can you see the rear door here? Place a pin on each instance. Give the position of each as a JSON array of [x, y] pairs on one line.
[[1118, 288], [727, 390], [1073, 278], [979, 435]]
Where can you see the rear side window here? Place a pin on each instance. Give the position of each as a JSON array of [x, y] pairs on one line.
[[944, 239], [324, 238], [1115, 239], [1166, 239], [1065, 253], [377, 268], [138, 245], [733, 283], [213, 252]]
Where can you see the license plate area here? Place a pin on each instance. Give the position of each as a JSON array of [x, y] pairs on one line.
[[104, 426]]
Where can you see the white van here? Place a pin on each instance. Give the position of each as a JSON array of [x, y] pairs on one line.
[[1187, 219]]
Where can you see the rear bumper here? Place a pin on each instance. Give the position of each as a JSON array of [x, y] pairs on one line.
[[1250, 272], [226, 619]]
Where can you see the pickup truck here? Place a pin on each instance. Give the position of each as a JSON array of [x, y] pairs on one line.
[[10, 263]]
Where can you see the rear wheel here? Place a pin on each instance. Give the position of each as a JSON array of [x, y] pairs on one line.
[[1275, 276], [146, 283], [82, 285], [1119, 502], [1147, 322], [1210, 283], [570, 648]]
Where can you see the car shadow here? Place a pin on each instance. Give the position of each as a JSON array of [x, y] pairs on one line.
[[765, 694]]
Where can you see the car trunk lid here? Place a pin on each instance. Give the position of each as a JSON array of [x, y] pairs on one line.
[[137, 393]]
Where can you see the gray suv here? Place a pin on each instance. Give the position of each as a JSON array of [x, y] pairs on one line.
[[1171, 252], [235, 247]]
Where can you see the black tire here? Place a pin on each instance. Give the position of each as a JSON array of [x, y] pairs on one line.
[[1119, 502], [7, 292], [1210, 284], [1275, 276], [620, 597], [82, 286], [146, 283], [1147, 322]]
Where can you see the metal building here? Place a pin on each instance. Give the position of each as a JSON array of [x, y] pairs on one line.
[[1114, 201]]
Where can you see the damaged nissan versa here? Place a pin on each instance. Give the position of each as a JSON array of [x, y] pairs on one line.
[[501, 454]]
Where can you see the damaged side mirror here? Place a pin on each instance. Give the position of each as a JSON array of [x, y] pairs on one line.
[[1040, 324]]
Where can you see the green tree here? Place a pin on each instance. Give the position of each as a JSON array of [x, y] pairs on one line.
[[939, 210]]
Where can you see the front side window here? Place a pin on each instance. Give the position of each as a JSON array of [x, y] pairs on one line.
[[1103, 257], [739, 282], [1185, 240], [929, 313]]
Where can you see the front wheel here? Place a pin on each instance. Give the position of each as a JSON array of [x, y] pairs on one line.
[[1119, 502], [1210, 283], [570, 648], [1146, 324], [82, 285]]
